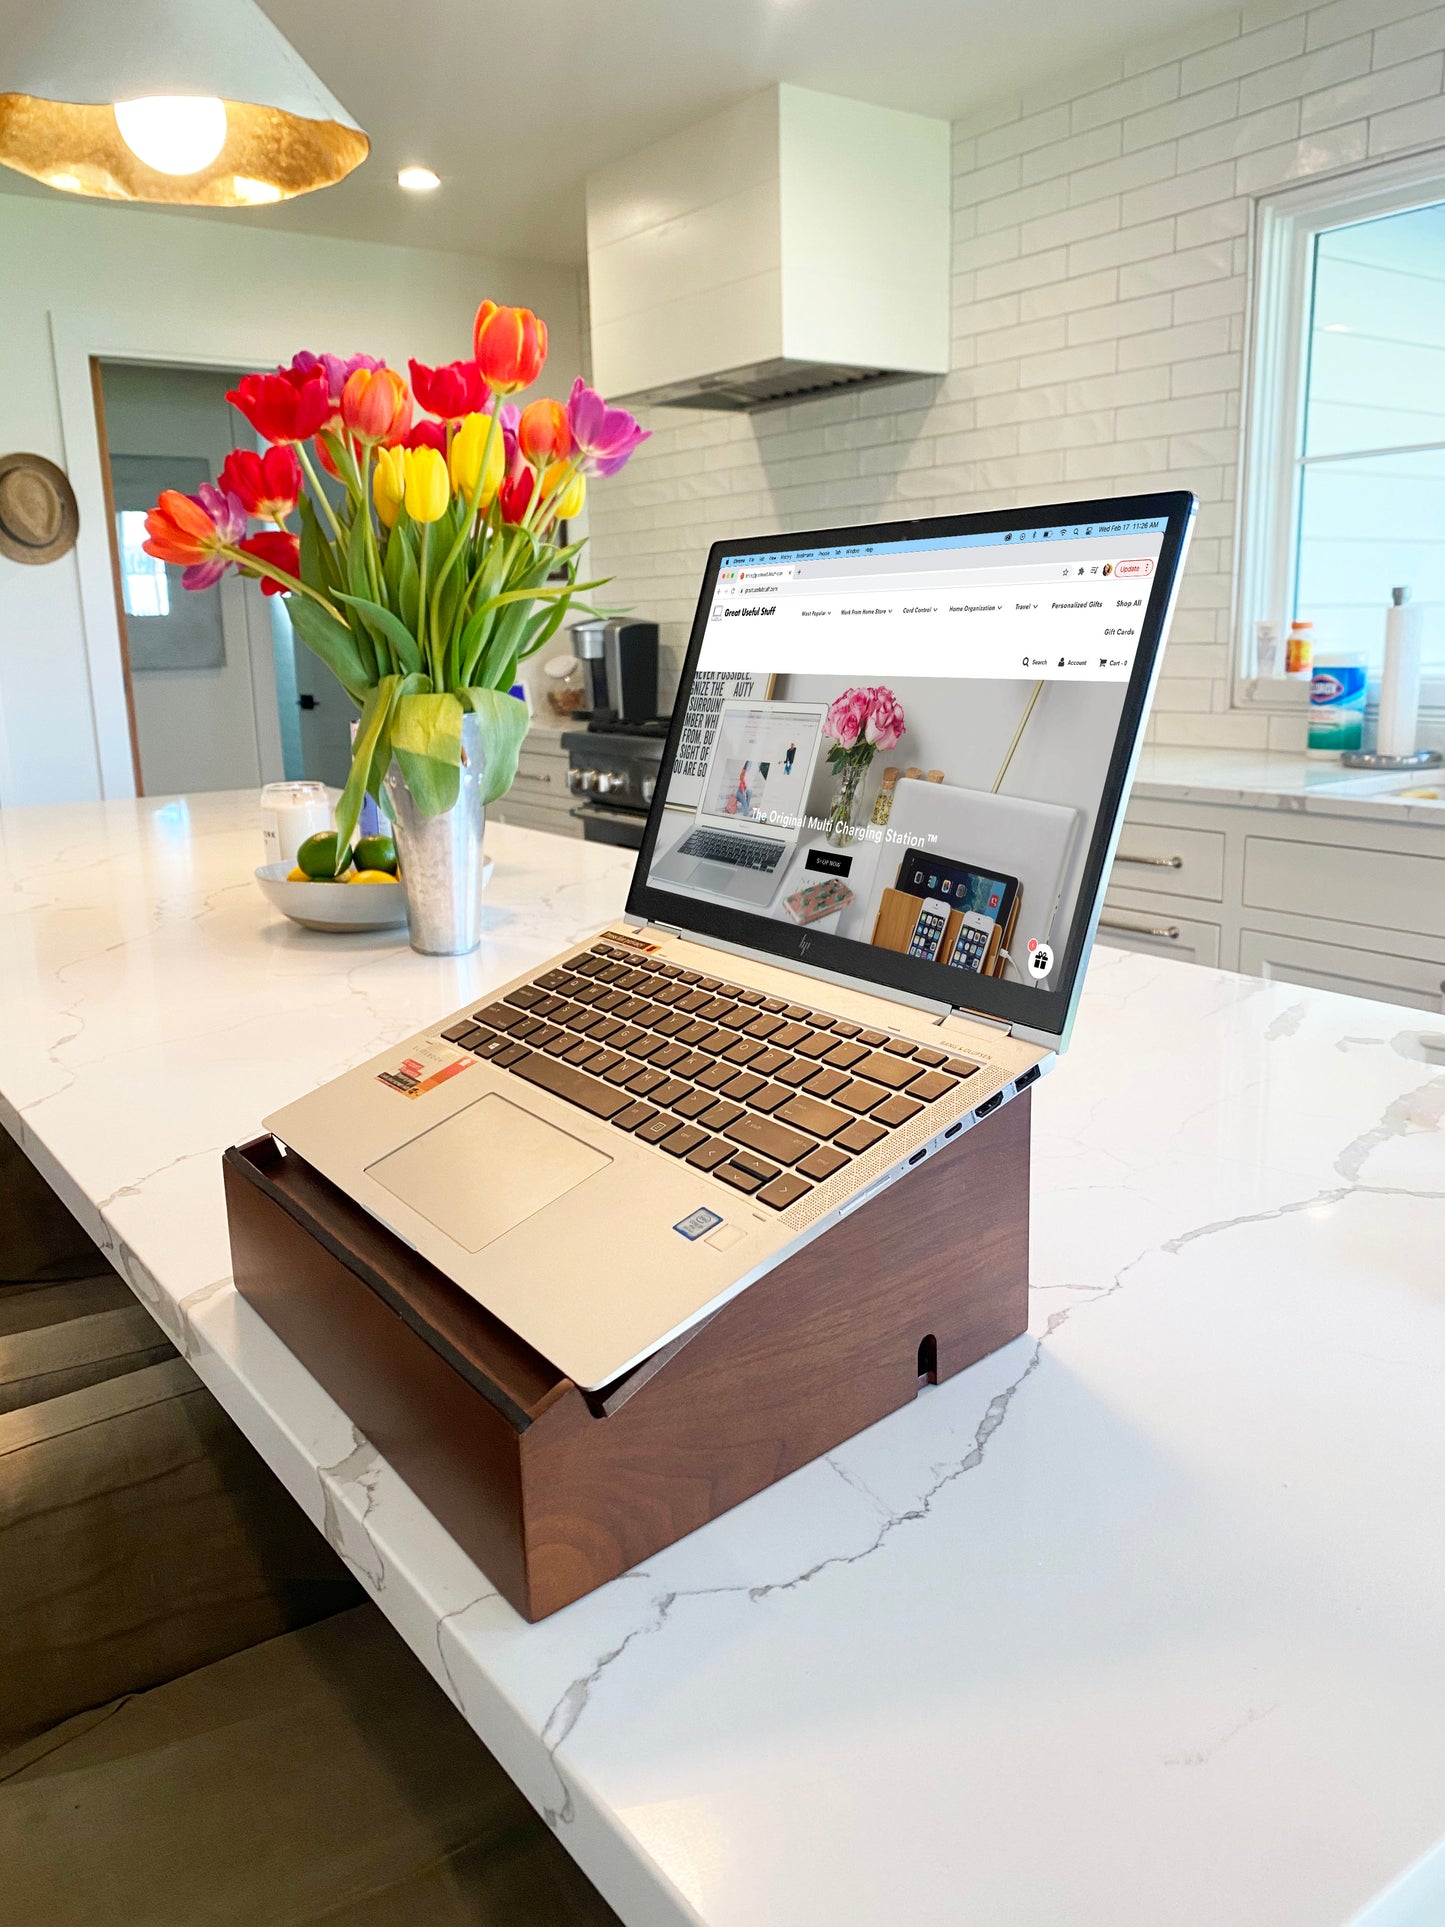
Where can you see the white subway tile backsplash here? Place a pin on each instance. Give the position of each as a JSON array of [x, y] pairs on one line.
[[1070, 297], [1422, 34], [1183, 116], [1115, 176], [1246, 55], [1297, 160], [1066, 156], [1101, 252], [1121, 318], [1019, 136], [1132, 96], [1185, 268], [1371, 93], [1231, 138], [1307, 74], [1417, 126], [1200, 188]]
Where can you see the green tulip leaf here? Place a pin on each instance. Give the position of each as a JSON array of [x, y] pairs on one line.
[[502, 723], [434, 786], [333, 642], [408, 654], [375, 715], [429, 725]]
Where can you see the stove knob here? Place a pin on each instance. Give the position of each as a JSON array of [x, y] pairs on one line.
[[608, 781], [587, 780], [574, 780], [649, 788]]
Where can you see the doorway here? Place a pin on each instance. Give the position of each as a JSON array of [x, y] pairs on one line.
[[217, 697]]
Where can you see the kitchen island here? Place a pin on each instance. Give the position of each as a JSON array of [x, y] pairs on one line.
[[1136, 1622]]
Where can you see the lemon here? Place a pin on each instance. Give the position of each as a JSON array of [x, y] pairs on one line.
[[371, 876], [298, 875], [376, 853], [317, 857]]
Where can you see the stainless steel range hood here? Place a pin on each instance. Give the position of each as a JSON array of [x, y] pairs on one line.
[[793, 246]]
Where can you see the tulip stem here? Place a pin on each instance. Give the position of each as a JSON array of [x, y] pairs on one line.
[[373, 553], [318, 490], [421, 640], [473, 497]]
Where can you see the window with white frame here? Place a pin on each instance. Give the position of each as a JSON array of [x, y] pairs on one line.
[[1345, 464]]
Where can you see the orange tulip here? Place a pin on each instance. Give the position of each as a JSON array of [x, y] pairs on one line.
[[511, 346], [544, 433], [376, 405]]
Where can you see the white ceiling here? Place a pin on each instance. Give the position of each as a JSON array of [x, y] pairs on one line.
[[514, 104]]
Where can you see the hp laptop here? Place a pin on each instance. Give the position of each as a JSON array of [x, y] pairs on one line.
[[608, 1147], [751, 812]]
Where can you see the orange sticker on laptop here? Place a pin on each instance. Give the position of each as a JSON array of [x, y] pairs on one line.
[[423, 1069], [635, 943]]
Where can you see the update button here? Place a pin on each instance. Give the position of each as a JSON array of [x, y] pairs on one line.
[[1142, 567]]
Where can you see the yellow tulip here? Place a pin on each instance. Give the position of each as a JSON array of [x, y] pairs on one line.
[[427, 489], [573, 494], [468, 444], [388, 484]]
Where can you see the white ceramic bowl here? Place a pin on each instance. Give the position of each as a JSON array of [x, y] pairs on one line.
[[333, 906]]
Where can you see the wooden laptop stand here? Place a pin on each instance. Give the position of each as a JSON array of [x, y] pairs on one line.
[[553, 1490]]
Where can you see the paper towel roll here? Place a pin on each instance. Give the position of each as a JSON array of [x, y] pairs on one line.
[[1400, 680]]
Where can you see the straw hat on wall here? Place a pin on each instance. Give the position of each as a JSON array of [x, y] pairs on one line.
[[39, 520]]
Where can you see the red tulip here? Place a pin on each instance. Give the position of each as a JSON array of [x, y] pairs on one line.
[[515, 494], [453, 392], [268, 484], [376, 405], [288, 406], [425, 434], [511, 346], [280, 551], [544, 434]]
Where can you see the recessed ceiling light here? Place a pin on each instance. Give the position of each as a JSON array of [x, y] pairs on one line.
[[419, 180]]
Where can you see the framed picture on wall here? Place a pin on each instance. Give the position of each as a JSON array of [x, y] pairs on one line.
[[166, 629]]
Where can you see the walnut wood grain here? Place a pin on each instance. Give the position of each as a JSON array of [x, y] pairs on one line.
[[553, 1491]]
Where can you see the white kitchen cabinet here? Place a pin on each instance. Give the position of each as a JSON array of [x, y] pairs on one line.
[[1356, 973], [1354, 903], [1130, 924]]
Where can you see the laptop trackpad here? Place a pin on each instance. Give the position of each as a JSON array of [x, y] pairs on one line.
[[483, 1170]]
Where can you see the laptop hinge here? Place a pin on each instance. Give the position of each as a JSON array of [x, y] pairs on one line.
[[976, 1017]]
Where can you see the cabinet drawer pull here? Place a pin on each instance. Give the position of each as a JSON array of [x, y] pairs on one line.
[[1169, 930], [533, 776], [1151, 862]]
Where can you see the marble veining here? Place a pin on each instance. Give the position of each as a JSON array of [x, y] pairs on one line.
[[1134, 1622]]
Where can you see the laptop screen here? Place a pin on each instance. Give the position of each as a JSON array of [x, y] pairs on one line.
[[901, 754]]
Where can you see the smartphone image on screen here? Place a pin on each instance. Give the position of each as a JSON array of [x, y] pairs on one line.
[[971, 945], [929, 928]]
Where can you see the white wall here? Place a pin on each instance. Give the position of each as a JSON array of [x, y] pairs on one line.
[[1101, 248], [79, 279]]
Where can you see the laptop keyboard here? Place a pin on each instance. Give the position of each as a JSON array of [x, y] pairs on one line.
[[768, 1096], [742, 852]]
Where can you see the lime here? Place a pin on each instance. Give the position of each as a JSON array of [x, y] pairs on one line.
[[317, 856], [376, 853], [371, 876]]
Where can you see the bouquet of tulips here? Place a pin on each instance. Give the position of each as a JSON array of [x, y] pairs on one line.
[[443, 566]]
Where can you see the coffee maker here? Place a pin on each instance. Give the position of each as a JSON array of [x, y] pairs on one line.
[[619, 666]]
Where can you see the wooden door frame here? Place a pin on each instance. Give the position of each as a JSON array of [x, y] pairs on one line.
[[79, 340], [97, 391]]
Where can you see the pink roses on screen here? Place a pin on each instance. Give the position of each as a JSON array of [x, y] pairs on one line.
[[870, 717]]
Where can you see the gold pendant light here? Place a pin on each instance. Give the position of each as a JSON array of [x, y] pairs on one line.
[[199, 103]]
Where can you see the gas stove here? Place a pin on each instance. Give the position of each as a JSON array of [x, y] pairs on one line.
[[612, 771]]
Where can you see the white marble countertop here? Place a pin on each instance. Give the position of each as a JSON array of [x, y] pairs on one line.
[[1313, 786], [1136, 1622]]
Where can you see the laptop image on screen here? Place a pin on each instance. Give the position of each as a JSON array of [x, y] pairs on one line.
[[604, 1148], [753, 803]]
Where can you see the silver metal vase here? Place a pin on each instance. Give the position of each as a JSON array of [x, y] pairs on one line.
[[441, 858]]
